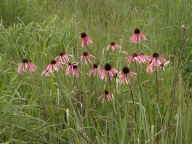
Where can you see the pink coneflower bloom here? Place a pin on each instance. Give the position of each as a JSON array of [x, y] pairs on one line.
[[72, 69], [138, 58], [63, 58], [54, 66], [137, 36], [106, 96], [108, 71], [125, 75], [155, 62], [150, 68], [113, 46], [85, 40], [26, 66], [87, 57], [143, 58], [133, 58], [95, 70], [32, 67]]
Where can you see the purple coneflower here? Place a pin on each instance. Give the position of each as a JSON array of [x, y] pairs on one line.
[[125, 75], [156, 61], [94, 70], [85, 40], [133, 58], [143, 58], [87, 57], [72, 69], [137, 36], [138, 58], [106, 96], [63, 58], [113, 46], [107, 71], [51, 68], [26, 66]]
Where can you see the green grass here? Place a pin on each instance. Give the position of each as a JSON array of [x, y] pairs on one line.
[[36, 109]]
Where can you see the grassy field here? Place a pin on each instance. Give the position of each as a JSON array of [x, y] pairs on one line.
[[154, 108]]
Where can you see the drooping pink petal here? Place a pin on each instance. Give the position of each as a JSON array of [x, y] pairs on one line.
[[32, 67], [85, 40], [63, 58], [26, 66], [21, 68], [113, 46], [106, 97], [137, 36]]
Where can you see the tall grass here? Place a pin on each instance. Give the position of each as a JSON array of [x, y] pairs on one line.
[[155, 108]]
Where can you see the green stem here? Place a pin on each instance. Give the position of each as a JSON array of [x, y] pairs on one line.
[[157, 85]]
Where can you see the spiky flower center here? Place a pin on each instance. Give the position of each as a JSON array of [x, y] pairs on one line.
[[62, 54], [53, 62], [74, 66], [155, 55], [95, 66], [83, 35], [112, 43], [85, 54], [106, 92], [137, 31], [135, 55], [126, 70], [25, 60], [107, 67]]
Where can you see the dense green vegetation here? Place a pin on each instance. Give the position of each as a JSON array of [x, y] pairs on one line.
[[153, 108]]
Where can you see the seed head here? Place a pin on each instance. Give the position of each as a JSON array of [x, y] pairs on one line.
[[155, 55], [107, 67], [25, 61], [135, 55], [106, 92], [74, 66], [112, 43], [137, 31], [83, 35], [62, 53], [126, 70], [95, 66], [85, 53], [53, 62]]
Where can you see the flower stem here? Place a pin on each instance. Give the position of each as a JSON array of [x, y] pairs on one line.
[[157, 85]]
